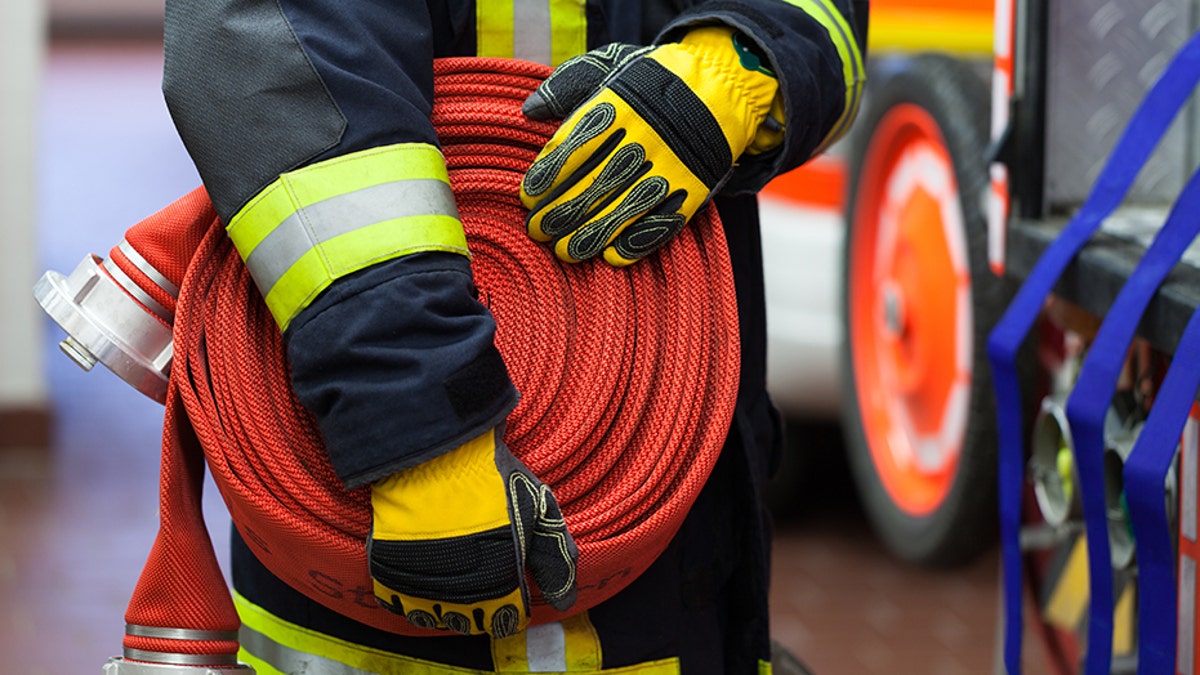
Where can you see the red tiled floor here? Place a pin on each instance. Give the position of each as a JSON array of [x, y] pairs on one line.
[[847, 608], [76, 523]]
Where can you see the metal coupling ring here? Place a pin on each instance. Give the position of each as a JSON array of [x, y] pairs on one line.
[[104, 323]]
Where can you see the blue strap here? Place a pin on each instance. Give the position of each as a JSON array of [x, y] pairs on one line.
[[1090, 400], [1145, 473], [1145, 129]]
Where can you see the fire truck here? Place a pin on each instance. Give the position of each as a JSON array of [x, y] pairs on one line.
[[879, 289], [1012, 288]]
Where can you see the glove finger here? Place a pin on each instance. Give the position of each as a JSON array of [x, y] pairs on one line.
[[547, 547], [553, 556], [576, 80], [649, 233], [423, 613], [592, 237], [562, 212], [499, 618], [545, 171]]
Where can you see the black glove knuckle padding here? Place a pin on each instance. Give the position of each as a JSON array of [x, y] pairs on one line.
[[590, 240], [542, 173]]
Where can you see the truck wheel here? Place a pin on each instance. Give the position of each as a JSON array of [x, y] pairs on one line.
[[918, 301]]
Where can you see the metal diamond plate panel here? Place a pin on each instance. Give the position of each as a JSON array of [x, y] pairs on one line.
[[1103, 55]]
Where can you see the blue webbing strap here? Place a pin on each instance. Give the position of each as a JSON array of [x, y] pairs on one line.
[[1090, 400], [1145, 129], [1145, 474]]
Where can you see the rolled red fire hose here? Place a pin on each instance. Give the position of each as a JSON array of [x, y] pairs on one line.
[[628, 379]]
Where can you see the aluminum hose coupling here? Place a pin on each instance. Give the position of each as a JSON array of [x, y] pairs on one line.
[[109, 319], [143, 661], [119, 666]]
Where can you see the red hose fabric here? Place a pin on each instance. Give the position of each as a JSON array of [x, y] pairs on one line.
[[167, 240], [628, 376], [181, 585]]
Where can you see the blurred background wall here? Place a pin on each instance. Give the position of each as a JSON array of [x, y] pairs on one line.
[[93, 17], [26, 27], [24, 414]]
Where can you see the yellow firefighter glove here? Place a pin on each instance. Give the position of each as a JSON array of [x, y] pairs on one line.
[[652, 133], [452, 539]]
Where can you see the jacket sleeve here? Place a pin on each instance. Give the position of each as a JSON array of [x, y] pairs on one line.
[[281, 103], [817, 50]]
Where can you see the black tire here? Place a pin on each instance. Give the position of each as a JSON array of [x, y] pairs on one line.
[[963, 522]]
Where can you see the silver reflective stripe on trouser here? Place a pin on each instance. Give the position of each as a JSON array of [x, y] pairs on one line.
[[288, 660], [273, 646], [545, 644], [546, 648]]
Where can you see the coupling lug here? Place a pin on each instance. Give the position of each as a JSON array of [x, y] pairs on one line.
[[105, 324]]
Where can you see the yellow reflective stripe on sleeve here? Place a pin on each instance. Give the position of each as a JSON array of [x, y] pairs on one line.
[[494, 29], [764, 667], [542, 31], [568, 25], [853, 72], [274, 646], [317, 224]]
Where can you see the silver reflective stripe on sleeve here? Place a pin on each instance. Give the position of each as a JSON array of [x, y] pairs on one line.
[[532, 31], [325, 220]]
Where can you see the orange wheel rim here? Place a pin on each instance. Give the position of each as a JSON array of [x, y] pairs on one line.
[[910, 317]]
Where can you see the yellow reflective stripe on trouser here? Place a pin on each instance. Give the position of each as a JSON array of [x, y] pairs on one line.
[[317, 224], [542, 31], [853, 71], [570, 645], [567, 646], [273, 646]]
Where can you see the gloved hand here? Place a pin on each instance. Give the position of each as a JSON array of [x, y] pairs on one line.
[[652, 133], [453, 537]]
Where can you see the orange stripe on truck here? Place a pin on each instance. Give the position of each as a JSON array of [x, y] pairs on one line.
[[821, 184]]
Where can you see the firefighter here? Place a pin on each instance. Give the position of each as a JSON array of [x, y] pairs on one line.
[[309, 123]]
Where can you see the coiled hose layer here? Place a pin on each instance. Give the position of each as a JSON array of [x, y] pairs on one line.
[[628, 379]]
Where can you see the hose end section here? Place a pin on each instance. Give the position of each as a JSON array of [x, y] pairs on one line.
[[178, 649], [105, 323], [120, 311], [131, 666]]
